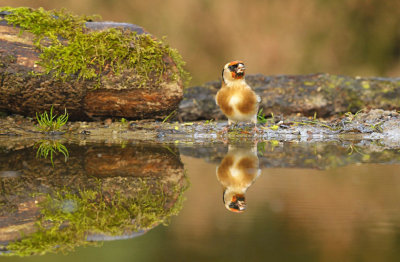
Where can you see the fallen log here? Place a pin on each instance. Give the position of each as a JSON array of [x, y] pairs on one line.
[[93, 69], [321, 94]]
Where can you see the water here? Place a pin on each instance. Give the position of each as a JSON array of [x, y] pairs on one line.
[[325, 201]]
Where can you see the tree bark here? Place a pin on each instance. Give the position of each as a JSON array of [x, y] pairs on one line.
[[118, 96]]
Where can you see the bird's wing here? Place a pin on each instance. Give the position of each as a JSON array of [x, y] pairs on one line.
[[216, 99]]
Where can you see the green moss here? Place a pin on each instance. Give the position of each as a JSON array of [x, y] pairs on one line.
[[365, 84], [68, 216], [69, 50], [309, 83]]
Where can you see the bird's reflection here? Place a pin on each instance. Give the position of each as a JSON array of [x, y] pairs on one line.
[[236, 173]]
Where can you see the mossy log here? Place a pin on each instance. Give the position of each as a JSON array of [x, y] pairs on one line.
[[321, 94], [120, 192], [26, 87]]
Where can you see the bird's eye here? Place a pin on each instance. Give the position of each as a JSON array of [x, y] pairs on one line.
[[233, 205], [233, 67]]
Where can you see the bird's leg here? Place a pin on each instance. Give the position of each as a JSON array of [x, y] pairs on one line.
[[255, 129], [226, 129], [224, 140], [234, 125], [254, 150]]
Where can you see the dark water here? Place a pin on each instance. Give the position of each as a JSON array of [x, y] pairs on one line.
[[331, 201]]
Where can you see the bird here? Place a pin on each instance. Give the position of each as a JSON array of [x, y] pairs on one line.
[[236, 173], [236, 99]]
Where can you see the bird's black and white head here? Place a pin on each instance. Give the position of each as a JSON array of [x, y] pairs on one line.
[[233, 71], [234, 202]]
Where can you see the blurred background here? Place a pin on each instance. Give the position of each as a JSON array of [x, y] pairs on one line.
[[350, 37]]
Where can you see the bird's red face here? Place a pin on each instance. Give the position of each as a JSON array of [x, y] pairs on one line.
[[238, 203], [237, 69]]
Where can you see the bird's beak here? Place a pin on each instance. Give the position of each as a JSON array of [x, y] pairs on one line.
[[241, 205], [237, 204], [240, 68]]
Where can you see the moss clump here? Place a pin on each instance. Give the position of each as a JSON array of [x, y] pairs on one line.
[[69, 50], [67, 216]]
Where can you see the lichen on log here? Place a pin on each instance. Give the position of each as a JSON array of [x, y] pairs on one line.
[[94, 69]]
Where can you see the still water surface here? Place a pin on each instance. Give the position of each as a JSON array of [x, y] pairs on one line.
[[308, 202]]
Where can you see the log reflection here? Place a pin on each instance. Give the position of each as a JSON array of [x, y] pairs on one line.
[[101, 193]]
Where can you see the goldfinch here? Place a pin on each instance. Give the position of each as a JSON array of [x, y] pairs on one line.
[[236, 98], [236, 173]]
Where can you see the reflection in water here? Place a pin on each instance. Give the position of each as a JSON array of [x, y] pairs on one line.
[[302, 154], [236, 173], [104, 193], [303, 208], [50, 147]]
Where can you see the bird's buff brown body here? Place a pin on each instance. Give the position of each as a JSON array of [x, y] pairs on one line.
[[235, 98], [238, 103]]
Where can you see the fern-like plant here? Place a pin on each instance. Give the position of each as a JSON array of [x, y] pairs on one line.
[[49, 122]]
